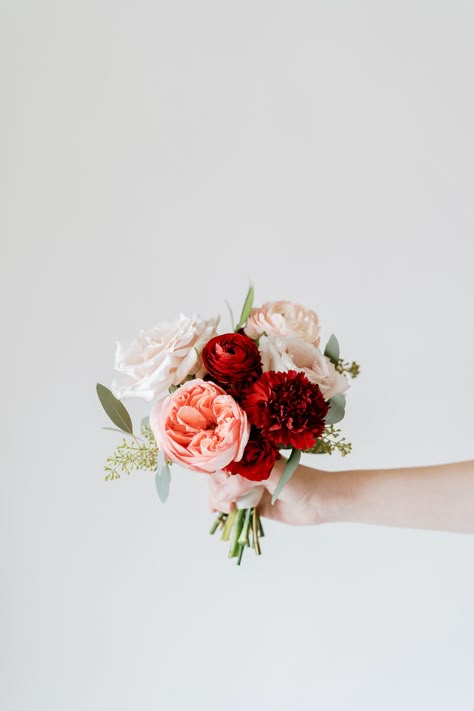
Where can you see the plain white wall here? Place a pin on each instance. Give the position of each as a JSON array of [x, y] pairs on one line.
[[157, 156]]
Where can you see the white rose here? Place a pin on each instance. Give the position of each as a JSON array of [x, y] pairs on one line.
[[162, 356], [284, 354], [283, 318]]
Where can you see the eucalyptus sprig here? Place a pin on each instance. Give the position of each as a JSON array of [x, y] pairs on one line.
[[352, 369], [332, 351], [131, 455], [331, 441], [135, 454]]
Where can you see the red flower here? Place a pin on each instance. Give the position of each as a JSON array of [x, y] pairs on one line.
[[258, 458], [288, 408], [232, 359]]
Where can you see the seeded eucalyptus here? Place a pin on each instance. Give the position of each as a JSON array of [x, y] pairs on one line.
[[133, 455], [331, 441]]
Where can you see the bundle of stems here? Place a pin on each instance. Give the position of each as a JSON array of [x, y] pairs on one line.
[[243, 528]]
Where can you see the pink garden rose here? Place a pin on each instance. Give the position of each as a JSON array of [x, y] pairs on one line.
[[200, 426], [283, 318], [284, 354], [162, 356]]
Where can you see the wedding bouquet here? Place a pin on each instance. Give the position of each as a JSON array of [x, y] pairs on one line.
[[230, 403]]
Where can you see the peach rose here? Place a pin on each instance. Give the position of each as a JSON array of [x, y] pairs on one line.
[[162, 356], [284, 354], [283, 318], [200, 426]]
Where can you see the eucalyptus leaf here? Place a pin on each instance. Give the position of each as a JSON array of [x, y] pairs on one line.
[[160, 461], [116, 410], [336, 410], [247, 308], [332, 349], [144, 423], [292, 463], [113, 429], [162, 479]]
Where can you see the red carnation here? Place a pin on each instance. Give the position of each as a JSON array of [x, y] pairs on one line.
[[288, 408], [258, 458], [232, 359]]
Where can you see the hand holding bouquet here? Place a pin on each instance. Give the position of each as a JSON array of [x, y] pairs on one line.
[[227, 405]]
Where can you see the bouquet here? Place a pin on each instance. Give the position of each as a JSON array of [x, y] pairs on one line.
[[229, 403]]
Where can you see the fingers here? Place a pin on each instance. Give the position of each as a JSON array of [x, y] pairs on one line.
[[218, 498], [218, 505], [225, 489]]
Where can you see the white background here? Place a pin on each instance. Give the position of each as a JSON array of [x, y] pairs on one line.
[[155, 157]]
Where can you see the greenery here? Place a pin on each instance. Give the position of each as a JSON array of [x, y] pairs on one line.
[[290, 467], [133, 455], [115, 409], [162, 478], [331, 441], [352, 369], [332, 349], [243, 528], [247, 308], [337, 409]]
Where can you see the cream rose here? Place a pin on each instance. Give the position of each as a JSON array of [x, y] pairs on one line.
[[284, 354], [162, 356], [283, 318]]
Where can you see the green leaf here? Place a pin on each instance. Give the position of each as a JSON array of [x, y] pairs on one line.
[[162, 478], [292, 463], [247, 308], [113, 429], [144, 423], [232, 320], [332, 349], [115, 409], [336, 410]]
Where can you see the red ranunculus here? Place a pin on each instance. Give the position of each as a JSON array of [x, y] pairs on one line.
[[258, 458], [287, 407], [232, 359]]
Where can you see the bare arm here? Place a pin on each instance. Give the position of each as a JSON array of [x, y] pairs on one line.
[[438, 497]]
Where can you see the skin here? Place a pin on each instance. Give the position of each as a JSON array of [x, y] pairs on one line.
[[438, 497]]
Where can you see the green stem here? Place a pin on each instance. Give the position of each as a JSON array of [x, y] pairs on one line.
[[216, 524], [241, 552], [239, 519], [228, 526], [245, 528], [256, 543]]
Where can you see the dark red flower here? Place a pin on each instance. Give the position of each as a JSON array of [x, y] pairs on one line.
[[287, 407], [258, 458], [232, 359]]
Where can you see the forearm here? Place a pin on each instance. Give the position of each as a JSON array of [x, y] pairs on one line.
[[439, 497]]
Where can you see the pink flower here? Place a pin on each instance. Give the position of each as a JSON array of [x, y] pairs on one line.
[[284, 354], [200, 426], [283, 318]]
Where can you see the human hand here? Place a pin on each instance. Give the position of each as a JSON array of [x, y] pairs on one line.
[[297, 504]]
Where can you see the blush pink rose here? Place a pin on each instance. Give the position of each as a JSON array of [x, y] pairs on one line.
[[162, 356], [200, 426], [283, 318], [284, 354]]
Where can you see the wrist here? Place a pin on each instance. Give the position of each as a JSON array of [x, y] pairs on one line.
[[335, 494]]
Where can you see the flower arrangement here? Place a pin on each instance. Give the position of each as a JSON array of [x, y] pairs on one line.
[[228, 404]]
